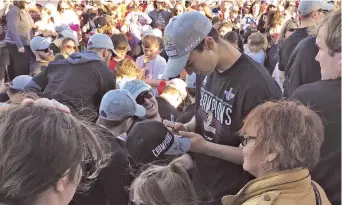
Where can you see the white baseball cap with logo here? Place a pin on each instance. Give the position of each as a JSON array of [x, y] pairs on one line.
[[181, 36]]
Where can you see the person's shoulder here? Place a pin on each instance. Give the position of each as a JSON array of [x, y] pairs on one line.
[[309, 90], [308, 40], [140, 58], [160, 59]]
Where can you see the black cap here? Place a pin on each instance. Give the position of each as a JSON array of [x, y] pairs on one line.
[[148, 140]]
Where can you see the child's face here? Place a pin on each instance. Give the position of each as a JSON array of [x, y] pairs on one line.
[[121, 54], [151, 52]]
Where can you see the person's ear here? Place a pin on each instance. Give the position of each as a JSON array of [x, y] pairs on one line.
[[61, 184], [209, 43], [271, 157], [315, 14]]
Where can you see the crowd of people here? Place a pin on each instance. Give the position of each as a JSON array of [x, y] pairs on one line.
[[170, 102]]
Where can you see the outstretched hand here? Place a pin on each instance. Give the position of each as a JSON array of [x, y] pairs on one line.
[[198, 143], [44, 102]]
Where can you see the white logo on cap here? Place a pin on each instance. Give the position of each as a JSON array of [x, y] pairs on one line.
[[163, 146], [193, 44]]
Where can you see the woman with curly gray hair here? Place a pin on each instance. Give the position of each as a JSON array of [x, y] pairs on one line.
[[281, 142]]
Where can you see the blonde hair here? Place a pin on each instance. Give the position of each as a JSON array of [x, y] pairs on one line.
[[289, 129], [206, 10], [127, 68], [285, 27], [167, 185], [256, 42]]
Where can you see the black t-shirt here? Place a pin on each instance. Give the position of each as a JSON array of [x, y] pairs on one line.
[[166, 110], [324, 97], [302, 67], [272, 58], [289, 45], [110, 186], [226, 99]]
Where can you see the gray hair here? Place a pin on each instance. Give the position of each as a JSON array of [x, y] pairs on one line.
[[289, 129], [167, 185]]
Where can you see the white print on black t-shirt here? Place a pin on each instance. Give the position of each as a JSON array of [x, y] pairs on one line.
[[204, 81], [220, 109], [229, 94], [207, 124]]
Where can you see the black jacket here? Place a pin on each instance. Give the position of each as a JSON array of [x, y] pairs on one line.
[[79, 82]]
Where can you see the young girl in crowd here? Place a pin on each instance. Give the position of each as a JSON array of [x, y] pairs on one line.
[[166, 185], [152, 64], [255, 48]]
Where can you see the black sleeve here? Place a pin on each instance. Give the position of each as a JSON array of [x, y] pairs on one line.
[[254, 96], [106, 79], [38, 82], [116, 178], [281, 65]]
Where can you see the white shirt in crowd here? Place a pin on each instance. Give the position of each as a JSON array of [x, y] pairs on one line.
[[154, 69]]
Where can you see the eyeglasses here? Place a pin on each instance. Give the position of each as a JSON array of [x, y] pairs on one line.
[[45, 50], [245, 138], [145, 95]]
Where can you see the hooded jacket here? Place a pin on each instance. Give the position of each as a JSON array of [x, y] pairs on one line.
[[79, 81], [283, 188]]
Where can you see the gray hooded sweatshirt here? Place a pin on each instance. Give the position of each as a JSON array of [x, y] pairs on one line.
[[80, 81]]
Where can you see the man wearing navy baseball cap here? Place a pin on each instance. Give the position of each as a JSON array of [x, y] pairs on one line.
[[81, 80], [233, 85]]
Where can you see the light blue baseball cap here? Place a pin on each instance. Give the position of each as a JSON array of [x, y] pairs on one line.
[[19, 82], [38, 43], [181, 36], [117, 105], [102, 41], [136, 87]]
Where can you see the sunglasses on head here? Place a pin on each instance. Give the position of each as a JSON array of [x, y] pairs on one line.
[[144, 95], [46, 50]]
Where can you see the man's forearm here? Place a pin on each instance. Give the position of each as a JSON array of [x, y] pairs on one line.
[[224, 152]]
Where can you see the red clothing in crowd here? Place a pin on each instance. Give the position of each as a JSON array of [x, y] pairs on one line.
[[113, 62]]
